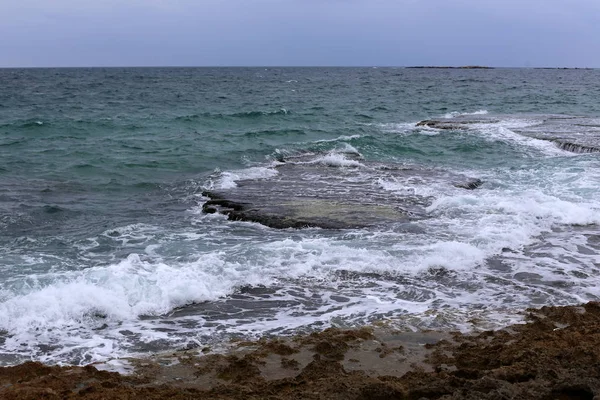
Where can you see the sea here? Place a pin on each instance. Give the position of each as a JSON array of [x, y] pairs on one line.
[[106, 251]]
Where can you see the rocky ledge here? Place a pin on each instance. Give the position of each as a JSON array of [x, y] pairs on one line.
[[307, 193], [569, 133]]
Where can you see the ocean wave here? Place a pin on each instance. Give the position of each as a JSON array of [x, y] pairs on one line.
[[13, 142], [34, 123], [336, 160], [100, 297], [504, 131], [258, 114], [228, 179], [239, 115]]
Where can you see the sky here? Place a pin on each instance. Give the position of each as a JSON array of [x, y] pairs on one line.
[[500, 33]]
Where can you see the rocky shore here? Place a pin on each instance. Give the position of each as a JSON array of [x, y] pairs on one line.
[[555, 355], [570, 133]]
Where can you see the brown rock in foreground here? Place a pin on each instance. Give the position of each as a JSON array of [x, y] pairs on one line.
[[556, 355]]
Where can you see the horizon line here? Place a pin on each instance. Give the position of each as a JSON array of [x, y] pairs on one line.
[[471, 66]]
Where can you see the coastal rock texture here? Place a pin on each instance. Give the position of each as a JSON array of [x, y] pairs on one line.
[[570, 133], [300, 213], [314, 192], [575, 147], [556, 355]]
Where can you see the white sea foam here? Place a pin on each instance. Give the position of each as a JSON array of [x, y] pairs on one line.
[[452, 255], [502, 132], [407, 128], [347, 148], [125, 290], [412, 186], [335, 159], [123, 367], [342, 138], [228, 179], [455, 114], [78, 302]]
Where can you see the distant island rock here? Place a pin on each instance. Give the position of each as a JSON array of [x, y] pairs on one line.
[[448, 67], [585, 68]]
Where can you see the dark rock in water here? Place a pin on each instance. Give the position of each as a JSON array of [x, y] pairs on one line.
[[449, 67], [454, 124], [209, 208], [449, 125], [312, 194], [576, 148], [52, 209], [303, 213], [470, 185]]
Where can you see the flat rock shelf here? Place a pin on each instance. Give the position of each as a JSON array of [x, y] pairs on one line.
[[308, 192], [571, 133]]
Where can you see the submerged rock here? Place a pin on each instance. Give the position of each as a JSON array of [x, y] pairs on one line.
[[470, 184]]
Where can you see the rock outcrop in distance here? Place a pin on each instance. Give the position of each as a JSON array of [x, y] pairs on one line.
[[449, 67]]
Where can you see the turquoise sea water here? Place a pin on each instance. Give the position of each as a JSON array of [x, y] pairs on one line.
[[105, 251]]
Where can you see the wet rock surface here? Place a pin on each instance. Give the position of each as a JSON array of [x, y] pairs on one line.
[[556, 355], [310, 193], [571, 133]]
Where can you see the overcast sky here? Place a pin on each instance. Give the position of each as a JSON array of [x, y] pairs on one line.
[[509, 33]]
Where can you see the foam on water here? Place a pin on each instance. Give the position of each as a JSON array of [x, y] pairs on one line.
[[407, 128], [342, 138], [455, 114], [228, 179], [79, 302], [335, 159], [412, 186], [502, 132]]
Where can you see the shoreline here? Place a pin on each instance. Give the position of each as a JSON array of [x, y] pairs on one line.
[[555, 354]]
